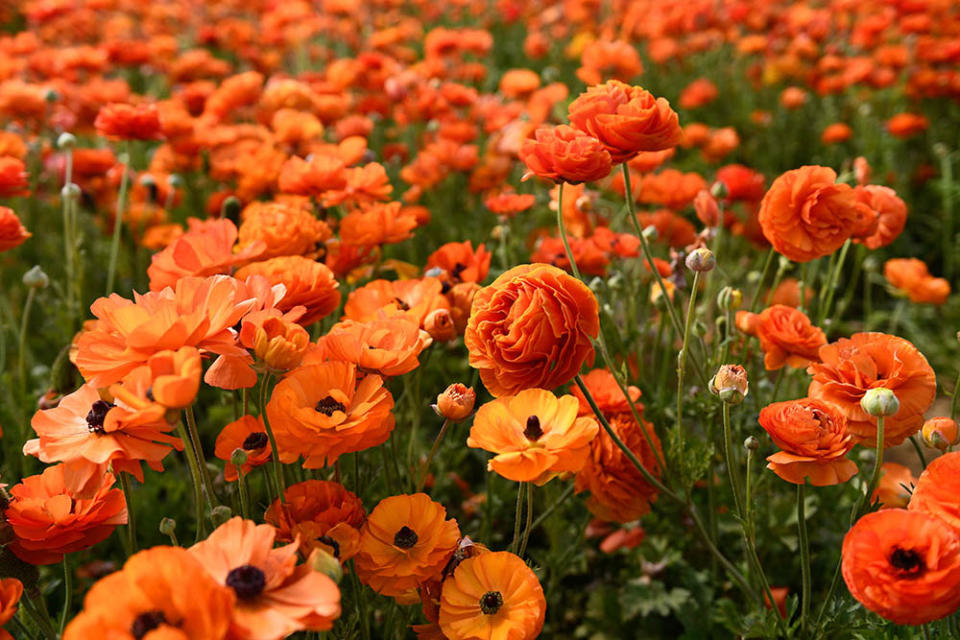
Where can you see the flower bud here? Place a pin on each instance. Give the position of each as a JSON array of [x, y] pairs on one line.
[[220, 514], [719, 189], [439, 324], [751, 443], [230, 208], [66, 141], [51, 96], [70, 191], [730, 383], [326, 564], [35, 278], [705, 205], [239, 457], [729, 299], [940, 433], [701, 260], [174, 181], [651, 233], [880, 401], [455, 403], [168, 526]]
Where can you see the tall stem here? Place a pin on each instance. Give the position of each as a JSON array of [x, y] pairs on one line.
[[729, 461], [682, 357], [195, 477], [201, 458], [831, 288], [244, 493], [118, 220], [131, 529], [22, 346], [804, 543], [755, 302], [274, 452], [529, 524], [514, 546], [67, 594], [425, 467]]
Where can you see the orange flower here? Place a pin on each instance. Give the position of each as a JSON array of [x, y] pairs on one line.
[[406, 541], [605, 58], [86, 433], [626, 120], [563, 154], [315, 178], [606, 393], [788, 293], [286, 229], [903, 565], [378, 223], [907, 125], [309, 284], [534, 434], [12, 232], [896, 484], [320, 515], [936, 491], [492, 595], [671, 188], [891, 214], [364, 185], [912, 278], [805, 215], [247, 433], [851, 366], [532, 327], [319, 411], [509, 204], [206, 249], [675, 231], [787, 337], [460, 263], [274, 597], [455, 403], [836, 133], [618, 491], [11, 591], [815, 442], [162, 593], [387, 345], [172, 378], [940, 432], [13, 177], [275, 339], [49, 520], [698, 93], [415, 299], [129, 122]]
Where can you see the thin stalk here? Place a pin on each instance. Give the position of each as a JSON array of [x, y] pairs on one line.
[[804, 543], [682, 356], [729, 460], [67, 594], [754, 303], [529, 524], [553, 507], [131, 528], [194, 432], [919, 450], [955, 399], [22, 345], [831, 287], [195, 477], [118, 220], [244, 493], [516, 518], [425, 467], [274, 452]]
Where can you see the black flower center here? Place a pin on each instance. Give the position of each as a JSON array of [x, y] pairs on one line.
[[328, 405], [254, 441], [147, 622], [403, 306], [908, 562], [490, 602], [97, 414], [405, 538], [247, 581], [533, 430], [333, 544], [458, 270]]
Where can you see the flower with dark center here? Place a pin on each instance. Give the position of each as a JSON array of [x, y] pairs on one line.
[[254, 441], [406, 538], [96, 416], [491, 602], [458, 270], [908, 562], [147, 622], [533, 432], [328, 405], [403, 306], [247, 581], [333, 544]]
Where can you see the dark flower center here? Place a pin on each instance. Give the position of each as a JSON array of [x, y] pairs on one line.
[[405, 538], [533, 430], [490, 602], [908, 562], [458, 270], [97, 414], [247, 581], [328, 405], [147, 622], [254, 441], [403, 306], [333, 544]]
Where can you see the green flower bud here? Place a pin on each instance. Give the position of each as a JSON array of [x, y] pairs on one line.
[[880, 401], [35, 278]]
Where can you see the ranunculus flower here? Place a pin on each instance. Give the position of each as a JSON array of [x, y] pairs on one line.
[[911, 277], [532, 327], [787, 337], [12, 231], [891, 214], [129, 122], [564, 154], [937, 490]]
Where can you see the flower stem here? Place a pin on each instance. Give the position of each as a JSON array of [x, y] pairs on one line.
[[754, 303], [682, 356], [244, 493], [425, 467], [804, 543], [67, 594], [201, 459], [529, 524], [514, 545], [729, 460], [274, 452], [831, 287], [118, 220], [195, 477], [553, 506], [131, 528], [22, 346]]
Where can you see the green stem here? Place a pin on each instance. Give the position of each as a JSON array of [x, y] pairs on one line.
[[131, 528], [682, 357], [67, 594], [955, 399], [529, 524], [804, 543], [425, 467], [22, 346], [553, 507], [754, 303], [118, 221], [195, 477], [516, 518], [729, 460], [919, 450], [194, 432], [830, 289], [244, 493], [274, 452]]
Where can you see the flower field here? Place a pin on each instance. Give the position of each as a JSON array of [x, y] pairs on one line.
[[479, 319]]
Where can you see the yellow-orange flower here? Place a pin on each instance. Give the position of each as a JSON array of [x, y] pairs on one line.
[[936, 491], [388, 345]]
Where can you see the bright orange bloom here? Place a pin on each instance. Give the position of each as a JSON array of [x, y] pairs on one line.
[[86, 433], [129, 122], [315, 178], [13, 177], [320, 515], [896, 483], [206, 249], [11, 590], [387, 345], [406, 541], [286, 229], [836, 133], [320, 412], [606, 393], [247, 433], [534, 435], [415, 299], [788, 293], [851, 366], [786, 335], [603, 59], [903, 565], [492, 595], [456, 402], [364, 185], [49, 520], [275, 597], [672, 229], [509, 204], [626, 120], [936, 491], [276, 340], [460, 263], [174, 377], [814, 440], [940, 432], [378, 223], [162, 593], [532, 327], [698, 93], [806, 215], [891, 214], [671, 188], [564, 154], [907, 125], [912, 278], [12, 232], [309, 284]]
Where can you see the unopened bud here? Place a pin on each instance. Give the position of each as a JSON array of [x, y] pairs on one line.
[[455, 403], [701, 260], [239, 457], [940, 433], [326, 564], [168, 526], [66, 141], [651, 233], [880, 401], [70, 191], [719, 190], [730, 383], [35, 278], [439, 324], [729, 299], [174, 181], [705, 205], [220, 514], [51, 96], [751, 443]]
